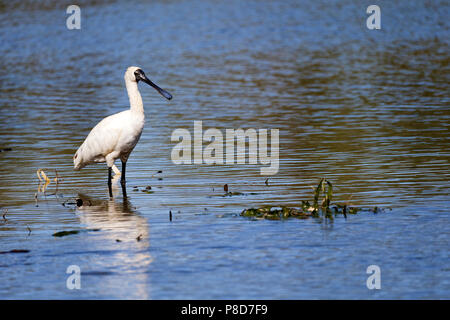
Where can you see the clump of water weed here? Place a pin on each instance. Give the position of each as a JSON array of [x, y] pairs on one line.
[[321, 207], [276, 213]]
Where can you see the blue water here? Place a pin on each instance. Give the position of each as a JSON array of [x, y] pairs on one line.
[[367, 109]]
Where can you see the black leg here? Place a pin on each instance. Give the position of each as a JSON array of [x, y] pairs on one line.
[[124, 191], [122, 178], [109, 182], [123, 181]]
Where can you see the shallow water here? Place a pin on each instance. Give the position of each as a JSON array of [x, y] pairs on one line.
[[368, 110]]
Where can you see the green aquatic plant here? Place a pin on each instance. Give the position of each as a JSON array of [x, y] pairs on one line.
[[321, 206], [275, 213], [326, 188]]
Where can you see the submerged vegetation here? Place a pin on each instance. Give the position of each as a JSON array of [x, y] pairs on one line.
[[70, 232], [321, 207]]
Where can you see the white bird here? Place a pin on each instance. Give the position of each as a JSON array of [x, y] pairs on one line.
[[116, 136]]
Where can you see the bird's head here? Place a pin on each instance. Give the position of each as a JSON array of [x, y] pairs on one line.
[[135, 74]]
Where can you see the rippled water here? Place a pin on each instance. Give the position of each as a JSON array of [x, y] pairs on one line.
[[368, 110]]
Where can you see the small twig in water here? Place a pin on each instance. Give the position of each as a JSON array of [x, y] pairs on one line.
[[36, 199]]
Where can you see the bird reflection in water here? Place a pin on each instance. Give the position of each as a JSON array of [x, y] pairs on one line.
[[124, 234]]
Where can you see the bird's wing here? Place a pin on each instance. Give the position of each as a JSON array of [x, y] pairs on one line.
[[100, 141]]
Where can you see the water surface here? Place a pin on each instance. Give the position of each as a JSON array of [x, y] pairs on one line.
[[368, 110]]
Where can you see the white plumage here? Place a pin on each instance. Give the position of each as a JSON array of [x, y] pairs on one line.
[[116, 136], [112, 138]]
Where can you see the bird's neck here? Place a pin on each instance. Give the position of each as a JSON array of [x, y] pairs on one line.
[[136, 104]]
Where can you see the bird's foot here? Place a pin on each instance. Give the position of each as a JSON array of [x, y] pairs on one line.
[[115, 180], [116, 170]]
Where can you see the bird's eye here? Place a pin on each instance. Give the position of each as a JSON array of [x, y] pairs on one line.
[[139, 74]]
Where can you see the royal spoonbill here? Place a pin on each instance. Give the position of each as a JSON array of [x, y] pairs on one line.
[[116, 136]]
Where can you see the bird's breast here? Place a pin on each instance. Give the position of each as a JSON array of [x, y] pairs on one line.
[[131, 132]]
